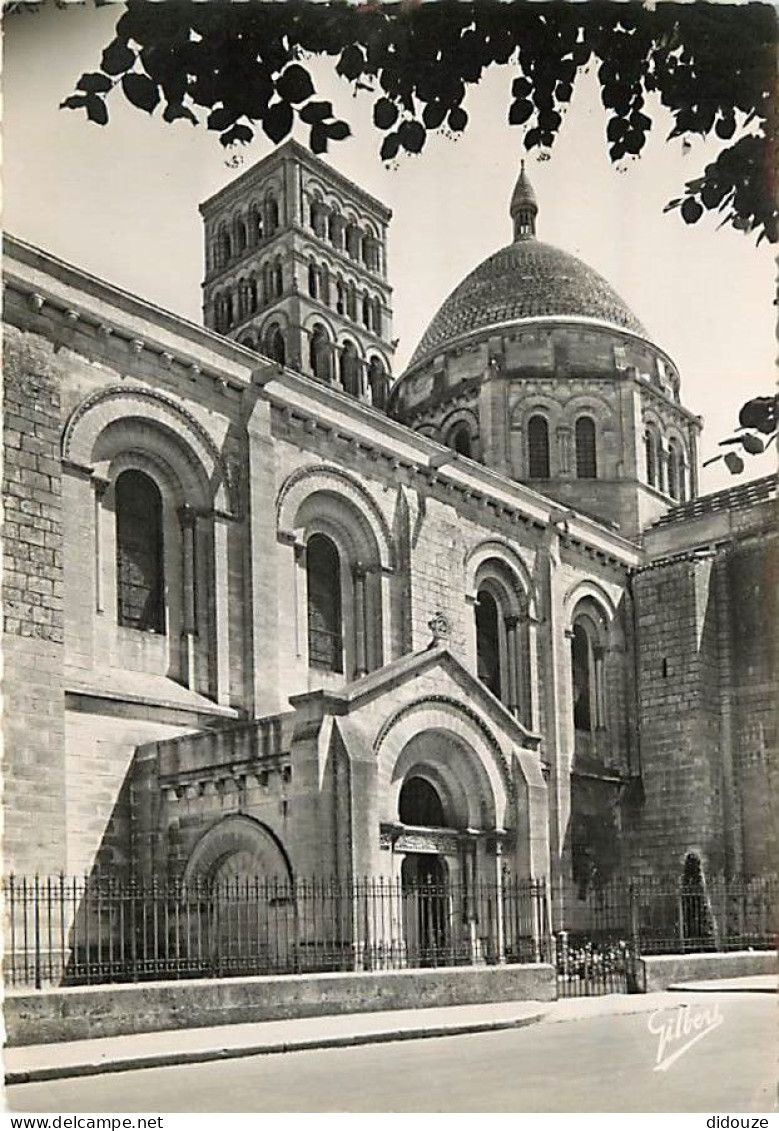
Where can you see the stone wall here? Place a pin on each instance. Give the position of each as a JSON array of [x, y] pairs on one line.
[[33, 642], [678, 718], [109, 1011]]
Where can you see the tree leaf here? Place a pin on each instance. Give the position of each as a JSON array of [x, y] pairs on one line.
[[97, 110], [294, 84], [734, 463], [315, 112], [175, 110], [277, 121], [389, 147], [74, 102], [318, 140], [385, 114], [338, 131], [141, 91], [240, 134], [117, 58], [220, 119], [95, 83], [691, 210]]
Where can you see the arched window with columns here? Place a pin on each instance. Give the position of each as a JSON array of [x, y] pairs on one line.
[[459, 439], [587, 674], [586, 448], [349, 369], [502, 637], [488, 642], [320, 354], [652, 457], [325, 623], [139, 553], [676, 471], [538, 447], [275, 344], [378, 380]]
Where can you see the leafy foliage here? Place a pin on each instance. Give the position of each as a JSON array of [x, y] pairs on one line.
[[758, 421], [712, 66]]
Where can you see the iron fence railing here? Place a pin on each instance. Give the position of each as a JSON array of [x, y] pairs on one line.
[[657, 914], [73, 931]]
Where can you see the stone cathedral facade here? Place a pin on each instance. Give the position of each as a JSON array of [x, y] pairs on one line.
[[268, 611]]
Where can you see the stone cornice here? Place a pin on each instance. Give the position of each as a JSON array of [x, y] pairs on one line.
[[293, 149], [98, 307]]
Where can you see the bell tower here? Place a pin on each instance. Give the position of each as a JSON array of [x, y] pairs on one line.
[[296, 269]]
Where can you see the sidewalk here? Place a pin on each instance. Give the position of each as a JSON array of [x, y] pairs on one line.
[[185, 1046]]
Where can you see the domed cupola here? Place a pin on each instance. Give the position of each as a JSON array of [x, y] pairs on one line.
[[535, 366]]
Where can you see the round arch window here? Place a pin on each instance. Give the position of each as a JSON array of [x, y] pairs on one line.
[[420, 804]]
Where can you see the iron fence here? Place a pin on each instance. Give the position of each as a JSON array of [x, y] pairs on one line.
[[609, 925], [73, 931]]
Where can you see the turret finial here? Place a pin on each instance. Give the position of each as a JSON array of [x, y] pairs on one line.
[[524, 206]]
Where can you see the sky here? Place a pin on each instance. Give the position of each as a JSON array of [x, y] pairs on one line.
[[121, 202]]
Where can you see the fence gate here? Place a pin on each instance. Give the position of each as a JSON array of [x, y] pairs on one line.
[[587, 967]]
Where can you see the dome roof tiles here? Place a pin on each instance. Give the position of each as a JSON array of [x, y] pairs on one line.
[[527, 279]]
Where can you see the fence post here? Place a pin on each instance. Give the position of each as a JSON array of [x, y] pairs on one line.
[[562, 955], [500, 939], [37, 930]]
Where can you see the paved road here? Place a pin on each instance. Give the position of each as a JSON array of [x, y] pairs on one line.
[[601, 1063]]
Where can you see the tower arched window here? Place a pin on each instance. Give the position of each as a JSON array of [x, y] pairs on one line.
[[349, 369], [459, 439], [676, 481], [340, 296], [335, 229], [376, 319], [586, 452], [240, 237], [278, 279], [366, 311], [351, 302], [312, 281], [256, 226], [319, 353], [325, 624], [275, 344], [538, 447], [488, 641], [139, 553], [271, 214], [652, 457], [378, 382], [224, 247], [587, 657]]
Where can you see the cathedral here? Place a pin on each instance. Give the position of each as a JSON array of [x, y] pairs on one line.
[[271, 610]]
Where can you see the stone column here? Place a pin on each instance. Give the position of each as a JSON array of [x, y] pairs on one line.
[[500, 933], [360, 619], [599, 714], [188, 518], [514, 700], [222, 608], [100, 486]]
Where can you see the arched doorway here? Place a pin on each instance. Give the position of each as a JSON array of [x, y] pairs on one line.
[[238, 906], [424, 876], [426, 909]]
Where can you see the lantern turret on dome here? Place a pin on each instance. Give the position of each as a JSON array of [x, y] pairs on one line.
[[524, 207], [535, 366]]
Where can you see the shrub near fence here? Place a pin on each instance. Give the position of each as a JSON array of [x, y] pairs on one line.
[[64, 930]]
